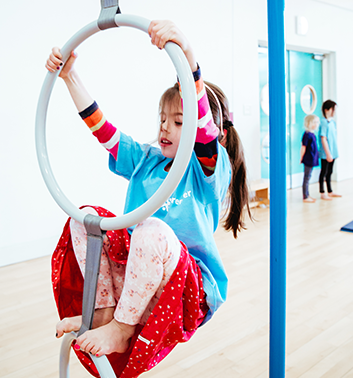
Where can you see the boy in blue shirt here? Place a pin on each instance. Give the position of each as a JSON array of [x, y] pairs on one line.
[[328, 151]]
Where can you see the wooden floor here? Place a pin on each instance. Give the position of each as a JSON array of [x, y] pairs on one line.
[[235, 342]]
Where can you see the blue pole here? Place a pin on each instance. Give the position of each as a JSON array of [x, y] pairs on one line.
[[278, 210]]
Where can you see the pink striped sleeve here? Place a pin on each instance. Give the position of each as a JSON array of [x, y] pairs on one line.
[[107, 134], [206, 143]]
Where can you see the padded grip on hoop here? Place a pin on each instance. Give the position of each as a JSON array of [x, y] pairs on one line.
[[106, 17]]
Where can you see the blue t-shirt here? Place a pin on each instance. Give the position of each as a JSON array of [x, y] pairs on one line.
[[311, 156], [328, 129], [192, 211]]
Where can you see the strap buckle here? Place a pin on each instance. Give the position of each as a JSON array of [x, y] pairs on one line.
[[106, 19]]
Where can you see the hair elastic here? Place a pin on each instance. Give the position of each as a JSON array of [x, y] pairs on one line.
[[227, 124], [219, 107]]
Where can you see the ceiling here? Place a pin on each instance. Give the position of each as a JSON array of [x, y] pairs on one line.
[[344, 4]]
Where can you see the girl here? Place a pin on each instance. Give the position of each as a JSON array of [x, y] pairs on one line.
[[309, 155], [139, 266], [328, 151]]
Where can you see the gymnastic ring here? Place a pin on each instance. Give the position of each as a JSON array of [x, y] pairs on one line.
[[187, 138]]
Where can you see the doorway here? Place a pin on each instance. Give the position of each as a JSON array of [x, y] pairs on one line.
[[303, 97]]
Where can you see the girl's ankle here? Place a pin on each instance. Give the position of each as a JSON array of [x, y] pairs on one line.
[[127, 329]]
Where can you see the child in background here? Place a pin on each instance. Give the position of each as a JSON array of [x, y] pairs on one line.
[[309, 154], [328, 151]]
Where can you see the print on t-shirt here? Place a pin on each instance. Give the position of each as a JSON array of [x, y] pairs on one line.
[[173, 201]]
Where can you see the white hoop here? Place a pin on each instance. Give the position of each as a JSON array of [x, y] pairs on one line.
[[186, 144], [102, 363]]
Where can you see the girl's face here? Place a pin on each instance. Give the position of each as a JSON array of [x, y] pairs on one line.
[[170, 128], [314, 124]]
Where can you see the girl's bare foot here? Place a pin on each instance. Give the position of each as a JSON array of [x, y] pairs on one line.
[[101, 317], [313, 198], [325, 197], [110, 338]]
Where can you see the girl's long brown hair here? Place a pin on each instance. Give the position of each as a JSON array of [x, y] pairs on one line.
[[238, 198], [238, 192]]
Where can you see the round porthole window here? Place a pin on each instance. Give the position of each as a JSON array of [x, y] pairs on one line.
[[308, 99], [265, 99]]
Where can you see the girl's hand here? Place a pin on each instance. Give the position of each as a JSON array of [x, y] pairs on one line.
[[163, 31], [78, 92], [54, 63], [329, 158]]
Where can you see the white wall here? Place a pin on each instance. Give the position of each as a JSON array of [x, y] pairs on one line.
[[250, 27], [126, 76], [330, 29], [124, 73]]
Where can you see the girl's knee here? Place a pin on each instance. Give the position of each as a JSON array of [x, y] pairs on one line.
[[152, 226], [152, 222], [154, 235]]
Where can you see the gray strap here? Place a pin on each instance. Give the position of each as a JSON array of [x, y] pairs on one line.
[[109, 8], [93, 259]]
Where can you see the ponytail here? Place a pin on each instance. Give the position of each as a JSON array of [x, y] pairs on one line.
[[238, 199], [238, 191]]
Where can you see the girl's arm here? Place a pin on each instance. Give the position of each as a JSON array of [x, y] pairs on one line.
[[105, 132], [302, 152], [326, 149], [206, 144], [78, 92]]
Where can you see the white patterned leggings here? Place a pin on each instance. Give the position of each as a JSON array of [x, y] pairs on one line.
[[132, 289]]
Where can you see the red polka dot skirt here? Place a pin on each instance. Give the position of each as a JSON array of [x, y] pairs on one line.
[[175, 318]]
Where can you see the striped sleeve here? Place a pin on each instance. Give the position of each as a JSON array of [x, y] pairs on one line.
[[206, 143], [107, 134]]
